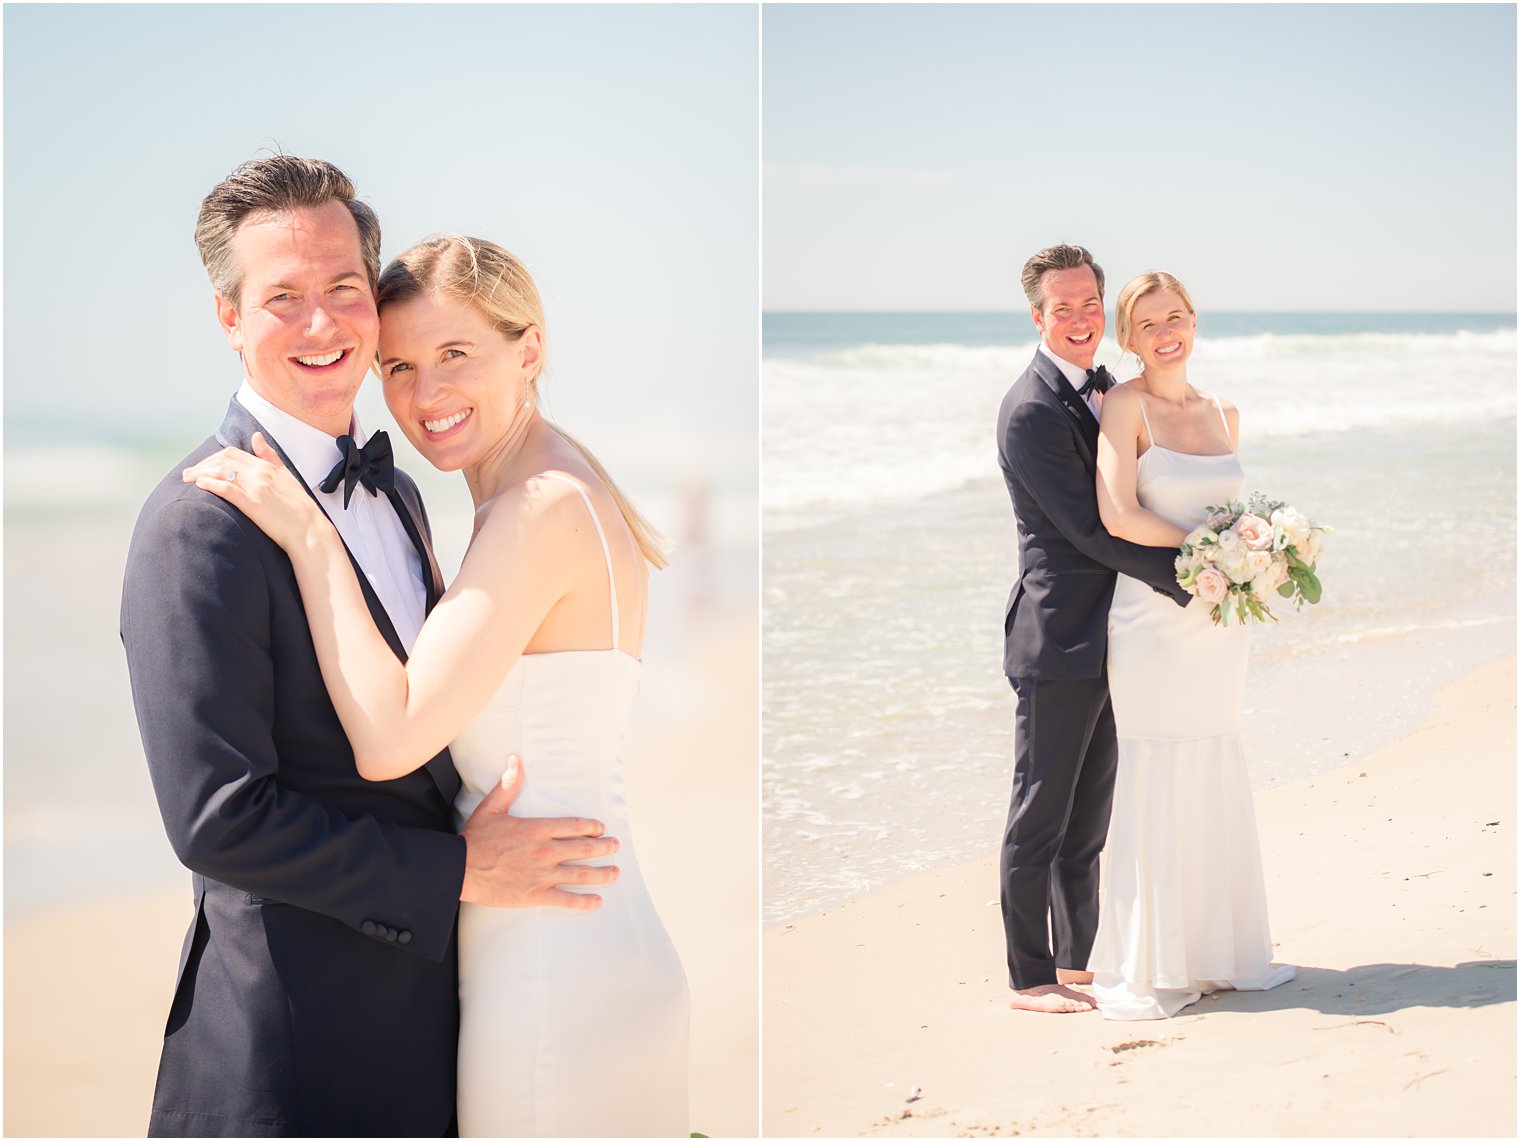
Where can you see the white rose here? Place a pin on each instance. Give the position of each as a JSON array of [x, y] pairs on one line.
[[1270, 578], [1289, 528], [1232, 557], [1235, 564]]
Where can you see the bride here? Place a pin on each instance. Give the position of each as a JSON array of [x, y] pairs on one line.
[[573, 1018], [1183, 909]]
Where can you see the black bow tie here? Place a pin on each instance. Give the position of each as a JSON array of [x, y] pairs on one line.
[[1098, 380], [371, 465]]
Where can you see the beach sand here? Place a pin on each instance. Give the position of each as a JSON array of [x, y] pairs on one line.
[[88, 984], [1391, 884]]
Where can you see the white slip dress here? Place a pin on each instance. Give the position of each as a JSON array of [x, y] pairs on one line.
[[1183, 907], [572, 1024]]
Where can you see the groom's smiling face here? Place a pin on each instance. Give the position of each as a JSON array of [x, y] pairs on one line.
[[1070, 320], [305, 321]]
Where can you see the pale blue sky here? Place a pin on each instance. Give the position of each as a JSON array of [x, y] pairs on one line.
[[614, 148], [1282, 157]]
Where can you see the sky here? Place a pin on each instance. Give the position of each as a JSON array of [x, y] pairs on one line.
[[1294, 157], [1276, 157], [613, 148]]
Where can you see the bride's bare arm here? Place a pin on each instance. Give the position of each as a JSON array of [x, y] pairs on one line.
[[519, 565], [1118, 466]]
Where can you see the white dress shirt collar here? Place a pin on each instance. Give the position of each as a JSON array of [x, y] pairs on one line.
[[1073, 373], [311, 451]]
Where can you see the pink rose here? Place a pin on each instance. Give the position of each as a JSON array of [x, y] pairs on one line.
[[1255, 532], [1211, 586]]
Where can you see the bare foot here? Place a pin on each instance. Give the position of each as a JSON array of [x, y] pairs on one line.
[[1052, 998], [1073, 978]]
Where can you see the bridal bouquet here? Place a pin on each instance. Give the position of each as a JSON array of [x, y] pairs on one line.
[[1244, 551]]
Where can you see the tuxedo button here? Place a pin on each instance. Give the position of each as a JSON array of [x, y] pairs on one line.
[[390, 934], [368, 927], [404, 938]]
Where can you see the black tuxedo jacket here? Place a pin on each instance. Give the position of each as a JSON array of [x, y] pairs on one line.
[[317, 985], [1056, 624]]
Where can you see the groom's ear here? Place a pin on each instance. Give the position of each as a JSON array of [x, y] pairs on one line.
[[1039, 319], [227, 318]]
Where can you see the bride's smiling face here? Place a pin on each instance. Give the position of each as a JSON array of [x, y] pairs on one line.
[[1161, 329], [453, 382]]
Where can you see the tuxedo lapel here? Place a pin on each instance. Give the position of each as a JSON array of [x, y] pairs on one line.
[[1075, 406], [408, 505], [402, 498]]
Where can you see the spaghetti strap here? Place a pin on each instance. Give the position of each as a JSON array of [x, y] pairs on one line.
[[1223, 419], [1148, 433], [606, 550]]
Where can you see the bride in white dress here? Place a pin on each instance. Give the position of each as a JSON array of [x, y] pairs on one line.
[[1183, 908], [573, 1017]]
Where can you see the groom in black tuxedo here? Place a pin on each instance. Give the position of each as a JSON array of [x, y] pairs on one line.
[[317, 984], [1056, 637]]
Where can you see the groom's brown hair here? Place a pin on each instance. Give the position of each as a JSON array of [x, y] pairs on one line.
[[1055, 257], [275, 185]]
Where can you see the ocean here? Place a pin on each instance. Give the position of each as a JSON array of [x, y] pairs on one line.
[[889, 551]]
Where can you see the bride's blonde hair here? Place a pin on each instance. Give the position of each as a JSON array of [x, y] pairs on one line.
[[496, 284]]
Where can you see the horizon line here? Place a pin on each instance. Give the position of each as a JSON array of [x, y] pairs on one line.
[[1277, 312]]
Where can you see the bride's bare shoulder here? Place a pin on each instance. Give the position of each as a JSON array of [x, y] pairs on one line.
[[1123, 398], [540, 504], [1231, 413]]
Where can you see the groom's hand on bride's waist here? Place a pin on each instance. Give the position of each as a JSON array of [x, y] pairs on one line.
[[524, 861]]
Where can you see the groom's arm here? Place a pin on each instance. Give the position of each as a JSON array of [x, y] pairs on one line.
[[1040, 448], [196, 613]]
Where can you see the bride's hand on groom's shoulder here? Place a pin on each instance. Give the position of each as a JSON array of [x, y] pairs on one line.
[[261, 488]]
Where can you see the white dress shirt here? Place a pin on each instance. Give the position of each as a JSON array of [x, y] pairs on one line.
[[369, 525], [1077, 376]]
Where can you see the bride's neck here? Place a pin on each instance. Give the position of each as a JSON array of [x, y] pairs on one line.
[[498, 469], [1169, 385]]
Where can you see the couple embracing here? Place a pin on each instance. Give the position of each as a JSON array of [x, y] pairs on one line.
[[1127, 731], [398, 799]]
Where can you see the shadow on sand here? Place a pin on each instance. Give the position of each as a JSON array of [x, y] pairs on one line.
[[1373, 989]]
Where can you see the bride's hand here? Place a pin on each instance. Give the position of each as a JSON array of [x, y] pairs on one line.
[[259, 486]]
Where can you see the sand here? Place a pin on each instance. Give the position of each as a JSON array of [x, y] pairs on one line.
[[87, 985], [1391, 885]]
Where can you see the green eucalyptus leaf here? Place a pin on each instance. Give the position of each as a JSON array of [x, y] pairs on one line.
[[1311, 589]]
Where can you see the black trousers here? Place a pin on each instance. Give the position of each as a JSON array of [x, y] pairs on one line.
[[1065, 758]]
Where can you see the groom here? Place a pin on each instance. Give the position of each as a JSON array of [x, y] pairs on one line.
[[317, 989], [1055, 637]]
